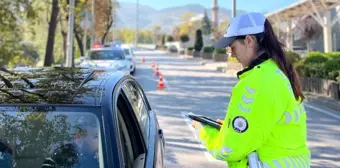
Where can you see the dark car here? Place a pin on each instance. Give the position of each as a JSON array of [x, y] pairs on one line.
[[76, 117]]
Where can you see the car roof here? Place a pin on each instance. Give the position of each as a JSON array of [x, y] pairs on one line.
[[126, 46], [106, 49], [54, 85]]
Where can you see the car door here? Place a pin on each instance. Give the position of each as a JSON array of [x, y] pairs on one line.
[[132, 146], [152, 135]]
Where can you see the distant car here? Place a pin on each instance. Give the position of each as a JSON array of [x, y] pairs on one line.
[[107, 58], [76, 117], [129, 55]]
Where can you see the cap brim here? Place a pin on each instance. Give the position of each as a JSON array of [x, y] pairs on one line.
[[224, 42]]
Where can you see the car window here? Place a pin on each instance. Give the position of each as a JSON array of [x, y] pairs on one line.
[[126, 51], [44, 139], [106, 55], [138, 104], [131, 139]]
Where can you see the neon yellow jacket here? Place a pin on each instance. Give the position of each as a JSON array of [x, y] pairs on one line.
[[263, 116]]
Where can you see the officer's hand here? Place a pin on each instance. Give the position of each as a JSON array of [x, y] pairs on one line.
[[194, 123], [219, 121]]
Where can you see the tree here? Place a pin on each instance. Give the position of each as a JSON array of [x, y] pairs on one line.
[[51, 33], [206, 24], [184, 38], [187, 16], [170, 39], [175, 34], [199, 41], [156, 30], [309, 29], [103, 17], [12, 12]]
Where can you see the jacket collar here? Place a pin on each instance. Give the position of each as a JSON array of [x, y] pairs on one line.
[[260, 59]]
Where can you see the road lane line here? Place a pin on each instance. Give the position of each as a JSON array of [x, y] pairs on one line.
[[188, 122], [322, 111]]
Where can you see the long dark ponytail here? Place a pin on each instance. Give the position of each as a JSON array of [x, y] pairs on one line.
[[274, 48]]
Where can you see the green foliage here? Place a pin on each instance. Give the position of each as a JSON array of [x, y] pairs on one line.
[[12, 12], [333, 55], [206, 25], [208, 49], [199, 40], [170, 39], [190, 48], [310, 54], [293, 57], [320, 65], [184, 38], [220, 51], [315, 58]]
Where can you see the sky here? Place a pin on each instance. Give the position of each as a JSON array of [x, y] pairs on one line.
[[247, 5]]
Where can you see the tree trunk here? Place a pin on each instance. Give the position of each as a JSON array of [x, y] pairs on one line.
[[79, 42], [51, 34], [106, 32], [64, 35]]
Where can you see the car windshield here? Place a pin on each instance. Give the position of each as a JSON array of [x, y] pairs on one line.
[[43, 139], [126, 51], [106, 55]]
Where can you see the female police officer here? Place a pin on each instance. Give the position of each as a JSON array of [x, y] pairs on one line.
[[265, 115]]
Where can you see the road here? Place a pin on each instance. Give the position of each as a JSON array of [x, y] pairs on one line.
[[192, 87]]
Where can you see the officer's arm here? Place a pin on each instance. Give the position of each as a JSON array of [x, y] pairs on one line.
[[252, 114]]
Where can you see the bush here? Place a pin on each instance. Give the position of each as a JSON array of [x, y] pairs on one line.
[[199, 40], [184, 38], [208, 49], [170, 39], [319, 65], [311, 54], [220, 51], [315, 59], [293, 57], [314, 70], [190, 48], [332, 68], [333, 55]]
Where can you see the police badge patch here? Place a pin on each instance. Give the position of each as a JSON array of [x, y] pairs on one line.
[[240, 124]]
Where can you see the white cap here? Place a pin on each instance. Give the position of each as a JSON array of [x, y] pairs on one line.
[[246, 24]]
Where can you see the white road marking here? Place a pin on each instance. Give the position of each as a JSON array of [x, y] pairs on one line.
[[206, 153], [322, 111]]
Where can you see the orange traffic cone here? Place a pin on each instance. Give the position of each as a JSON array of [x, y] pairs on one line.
[[157, 73], [160, 84], [143, 60]]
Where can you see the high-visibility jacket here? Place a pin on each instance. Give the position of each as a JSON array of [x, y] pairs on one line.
[[263, 116]]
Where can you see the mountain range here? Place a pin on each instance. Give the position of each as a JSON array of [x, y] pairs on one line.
[[166, 18]]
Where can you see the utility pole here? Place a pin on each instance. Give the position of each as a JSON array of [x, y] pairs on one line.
[[234, 9], [69, 54], [114, 20], [93, 21], [137, 19]]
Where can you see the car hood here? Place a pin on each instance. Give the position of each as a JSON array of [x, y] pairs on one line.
[[105, 63]]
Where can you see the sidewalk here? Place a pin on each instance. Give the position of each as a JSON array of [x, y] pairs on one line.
[[222, 67]]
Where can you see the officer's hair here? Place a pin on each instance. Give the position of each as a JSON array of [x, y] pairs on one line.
[[274, 48]]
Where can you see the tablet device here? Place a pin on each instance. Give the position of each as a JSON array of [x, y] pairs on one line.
[[204, 120]]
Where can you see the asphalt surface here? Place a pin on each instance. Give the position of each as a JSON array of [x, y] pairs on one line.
[[192, 87]]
